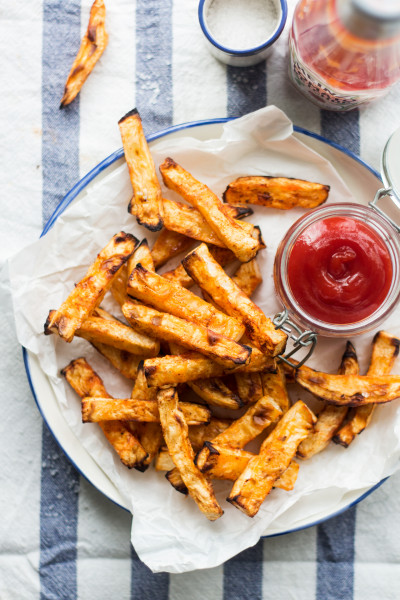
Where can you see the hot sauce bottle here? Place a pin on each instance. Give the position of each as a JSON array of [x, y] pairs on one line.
[[344, 53]]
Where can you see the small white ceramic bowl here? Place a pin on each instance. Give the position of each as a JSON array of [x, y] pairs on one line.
[[249, 56]]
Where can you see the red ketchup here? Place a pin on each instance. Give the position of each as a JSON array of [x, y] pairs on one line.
[[339, 270]]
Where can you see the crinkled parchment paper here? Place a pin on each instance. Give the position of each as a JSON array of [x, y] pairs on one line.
[[168, 531]]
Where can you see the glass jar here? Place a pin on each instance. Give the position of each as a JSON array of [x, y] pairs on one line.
[[344, 53]]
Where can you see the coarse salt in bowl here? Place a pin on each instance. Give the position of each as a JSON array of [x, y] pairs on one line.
[[241, 33]]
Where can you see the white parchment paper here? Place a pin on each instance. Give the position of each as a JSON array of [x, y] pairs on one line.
[[168, 531]]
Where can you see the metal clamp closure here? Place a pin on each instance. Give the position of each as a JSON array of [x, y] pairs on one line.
[[380, 194], [301, 339]]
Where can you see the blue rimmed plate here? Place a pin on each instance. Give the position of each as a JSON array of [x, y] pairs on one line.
[[361, 180]]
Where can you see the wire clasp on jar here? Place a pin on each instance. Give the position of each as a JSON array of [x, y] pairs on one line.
[[300, 338], [374, 204]]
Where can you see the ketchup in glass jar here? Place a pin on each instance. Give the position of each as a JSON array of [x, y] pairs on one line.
[[337, 270]]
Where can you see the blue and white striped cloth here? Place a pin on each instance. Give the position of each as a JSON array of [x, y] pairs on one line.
[[59, 537]]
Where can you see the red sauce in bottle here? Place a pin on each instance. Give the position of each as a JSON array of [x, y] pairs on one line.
[[339, 270]]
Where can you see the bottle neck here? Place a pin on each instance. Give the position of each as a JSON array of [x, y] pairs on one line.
[[370, 19]]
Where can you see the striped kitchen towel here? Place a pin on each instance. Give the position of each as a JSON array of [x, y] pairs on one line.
[[60, 538]]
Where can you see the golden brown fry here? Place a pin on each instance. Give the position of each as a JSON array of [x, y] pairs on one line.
[[163, 461], [276, 192], [93, 44], [276, 453], [189, 222], [167, 245], [210, 276], [171, 370], [141, 390], [119, 285], [85, 381], [126, 363], [128, 409], [248, 277], [385, 348], [151, 438], [215, 392], [229, 231], [115, 333], [274, 385], [191, 335], [249, 387], [331, 417], [223, 256], [89, 292], [175, 432], [174, 299], [257, 418], [349, 390], [228, 463], [146, 204]]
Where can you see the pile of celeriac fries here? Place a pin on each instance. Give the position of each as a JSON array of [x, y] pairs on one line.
[[222, 347]]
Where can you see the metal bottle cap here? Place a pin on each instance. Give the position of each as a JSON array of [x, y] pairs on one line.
[[390, 171]]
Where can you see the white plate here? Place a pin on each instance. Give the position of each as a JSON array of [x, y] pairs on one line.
[[362, 182]]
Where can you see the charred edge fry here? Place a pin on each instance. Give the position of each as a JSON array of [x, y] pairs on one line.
[[385, 348], [89, 292], [257, 418], [276, 453], [188, 221], [248, 277], [349, 390], [115, 333], [223, 256], [167, 245], [175, 432], [93, 44], [141, 255], [146, 204], [170, 370], [230, 232], [210, 276], [141, 390], [276, 192], [191, 335], [85, 381], [331, 417], [98, 409], [215, 392], [249, 387], [151, 437], [174, 299], [228, 463], [274, 385], [126, 363]]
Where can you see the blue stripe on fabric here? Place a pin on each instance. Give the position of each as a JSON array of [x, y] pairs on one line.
[[335, 557], [247, 89], [146, 585], [335, 538], [60, 162], [243, 575], [154, 99]]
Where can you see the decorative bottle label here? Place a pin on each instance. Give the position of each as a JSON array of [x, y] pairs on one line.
[[317, 90]]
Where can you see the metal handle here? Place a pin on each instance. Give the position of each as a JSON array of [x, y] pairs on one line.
[[301, 340], [380, 194]]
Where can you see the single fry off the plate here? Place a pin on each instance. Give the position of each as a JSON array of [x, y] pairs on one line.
[[93, 44]]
